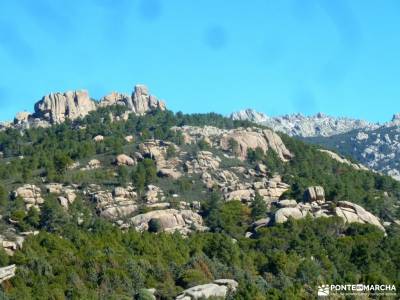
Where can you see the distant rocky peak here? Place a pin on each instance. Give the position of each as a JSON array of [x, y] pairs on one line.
[[249, 115], [396, 119], [304, 126]]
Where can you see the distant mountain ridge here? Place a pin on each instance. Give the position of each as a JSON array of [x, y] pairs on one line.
[[374, 145], [304, 126]]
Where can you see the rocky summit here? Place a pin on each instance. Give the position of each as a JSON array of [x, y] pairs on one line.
[[56, 108], [123, 199]]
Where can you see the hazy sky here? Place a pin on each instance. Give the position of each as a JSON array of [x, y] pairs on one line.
[[338, 57]]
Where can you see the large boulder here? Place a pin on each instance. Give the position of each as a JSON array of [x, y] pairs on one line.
[[124, 159], [57, 107], [353, 213], [283, 214], [169, 220], [220, 288]]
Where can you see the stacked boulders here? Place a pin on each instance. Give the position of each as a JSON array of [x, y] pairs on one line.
[[119, 203], [30, 194]]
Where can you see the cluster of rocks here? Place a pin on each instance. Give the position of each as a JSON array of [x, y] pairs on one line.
[[168, 220], [140, 102], [92, 164], [316, 206], [30, 194], [67, 194], [158, 151], [220, 288], [154, 194], [242, 139], [120, 203], [55, 108]]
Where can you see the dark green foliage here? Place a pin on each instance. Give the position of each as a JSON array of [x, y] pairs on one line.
[[258, 208], [155, 225]]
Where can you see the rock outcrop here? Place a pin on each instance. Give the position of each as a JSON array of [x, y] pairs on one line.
[[31, 194], [118, 204], [169, 220], [316, 206], [220, 289], [67, 194], [140, 102], [58, 107], [253, 138], [124, 159], [7, 272]]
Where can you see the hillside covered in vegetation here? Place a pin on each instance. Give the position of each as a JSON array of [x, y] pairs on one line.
[[111, 207]]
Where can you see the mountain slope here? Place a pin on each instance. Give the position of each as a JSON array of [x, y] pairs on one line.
[[378, 149], [373, 145], [109, 207]]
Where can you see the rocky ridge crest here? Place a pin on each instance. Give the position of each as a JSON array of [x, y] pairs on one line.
[[56, 108]]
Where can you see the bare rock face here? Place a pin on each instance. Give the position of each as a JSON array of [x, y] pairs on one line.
[[143, 102], [283, 214], [314, 193], [58, 107], [353, 213], [31, 194], [220, 289], [252, 138], [170, 220], [7, 272]]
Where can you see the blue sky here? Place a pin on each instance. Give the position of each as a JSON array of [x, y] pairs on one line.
[[338, 57]]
